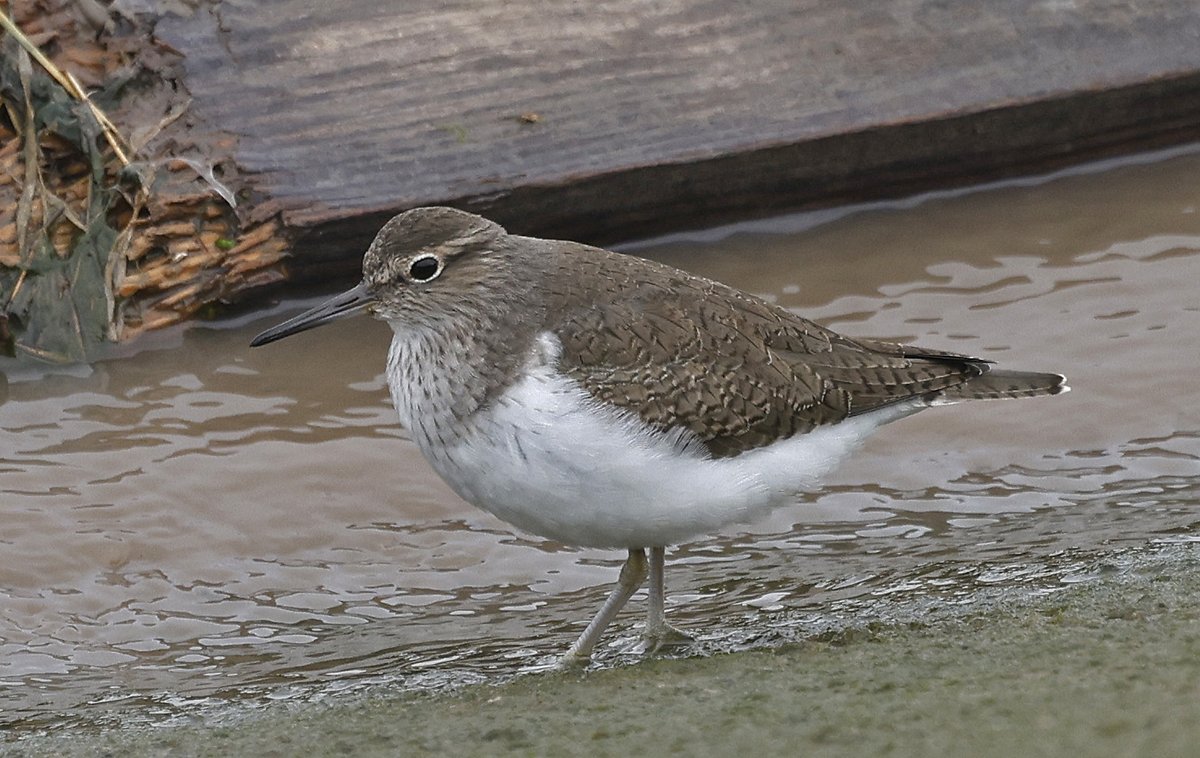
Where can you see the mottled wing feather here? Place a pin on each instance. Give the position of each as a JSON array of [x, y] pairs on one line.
[[877, 373], [736, 371]]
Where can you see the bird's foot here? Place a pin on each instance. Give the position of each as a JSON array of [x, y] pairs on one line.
[[663, 637], [572, 662]]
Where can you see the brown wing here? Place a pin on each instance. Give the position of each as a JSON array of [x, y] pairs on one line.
[[681, 351]]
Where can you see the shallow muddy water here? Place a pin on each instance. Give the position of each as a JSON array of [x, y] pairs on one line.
[[195, 529]]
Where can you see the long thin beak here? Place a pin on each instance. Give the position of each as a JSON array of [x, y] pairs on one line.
[[345, 304]]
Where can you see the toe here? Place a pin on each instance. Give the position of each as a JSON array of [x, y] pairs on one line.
[[572, 661], [664, 636]]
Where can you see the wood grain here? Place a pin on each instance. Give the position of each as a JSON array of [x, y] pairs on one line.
[[612, 119]]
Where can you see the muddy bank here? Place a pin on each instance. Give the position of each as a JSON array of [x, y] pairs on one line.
[[1108, 667]]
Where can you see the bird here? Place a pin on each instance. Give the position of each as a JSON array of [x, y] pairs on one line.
[[607, 401]]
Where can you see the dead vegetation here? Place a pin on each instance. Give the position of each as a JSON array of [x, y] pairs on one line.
[[118, 212]]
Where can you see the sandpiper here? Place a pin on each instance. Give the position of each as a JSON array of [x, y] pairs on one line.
[[607, 401]]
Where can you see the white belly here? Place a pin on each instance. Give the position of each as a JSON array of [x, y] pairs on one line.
[[548, 459]]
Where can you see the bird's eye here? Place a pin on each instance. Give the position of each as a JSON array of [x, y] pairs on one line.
[[424, 268]]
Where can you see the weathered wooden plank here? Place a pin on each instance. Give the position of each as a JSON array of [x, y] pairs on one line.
[[601, 122], [653, 116]]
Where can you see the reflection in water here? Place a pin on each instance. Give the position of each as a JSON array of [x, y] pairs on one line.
[[200, 524]]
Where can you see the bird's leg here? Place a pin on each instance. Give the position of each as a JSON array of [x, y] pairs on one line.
[[633, 573], [656, 617], [658, 632]]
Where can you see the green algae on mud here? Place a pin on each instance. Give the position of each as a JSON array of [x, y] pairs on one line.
[[1107, 667]]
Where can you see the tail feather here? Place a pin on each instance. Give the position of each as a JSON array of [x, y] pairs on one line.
[[999, 383]]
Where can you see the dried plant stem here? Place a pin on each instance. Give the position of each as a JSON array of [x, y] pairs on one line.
[[118, 143]]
